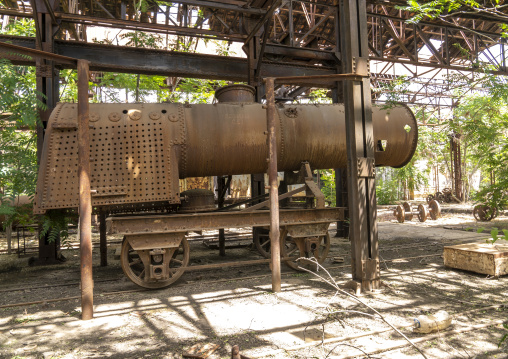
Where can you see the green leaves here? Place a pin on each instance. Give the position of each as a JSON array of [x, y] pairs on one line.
[[504, 336], [18, 118], [444, 9]]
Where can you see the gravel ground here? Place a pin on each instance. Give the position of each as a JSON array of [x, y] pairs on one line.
[[235, 306]]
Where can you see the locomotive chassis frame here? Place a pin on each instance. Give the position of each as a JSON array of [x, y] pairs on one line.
[[361, 190]]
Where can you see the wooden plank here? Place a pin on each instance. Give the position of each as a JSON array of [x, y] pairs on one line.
[[481, 257]]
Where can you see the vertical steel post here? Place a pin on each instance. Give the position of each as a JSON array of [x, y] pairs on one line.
[[103, 238], [360, 147], [456, 165], [85, 200], [222, 237], [504, 55], [272, 179], [47, 84], [291, 25]]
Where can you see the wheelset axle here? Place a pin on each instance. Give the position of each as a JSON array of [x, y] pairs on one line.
[[406, 211]]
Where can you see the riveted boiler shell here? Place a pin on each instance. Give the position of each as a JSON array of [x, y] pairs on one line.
[[139, 151], [230, 139]]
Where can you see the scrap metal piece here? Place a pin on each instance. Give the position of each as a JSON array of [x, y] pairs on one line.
[[198, 352]]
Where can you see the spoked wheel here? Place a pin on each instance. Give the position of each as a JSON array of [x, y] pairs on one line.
[[400, 214], [429, 198], [261, 238], [435, 209], [423, 213], [408, 209], [136, 265], [484, 213], [297, 248]]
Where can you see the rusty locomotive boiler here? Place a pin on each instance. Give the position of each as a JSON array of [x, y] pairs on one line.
[[140, 151]]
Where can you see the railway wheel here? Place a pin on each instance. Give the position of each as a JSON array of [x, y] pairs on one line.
[[261, 238], [136, 264], [440, 197], [435, 209], [423, 213], [294, 248], [484, 213], [429, 198], [408, 209], [400, 214]]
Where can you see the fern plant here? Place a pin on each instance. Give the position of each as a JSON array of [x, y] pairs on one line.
[[55, 226]]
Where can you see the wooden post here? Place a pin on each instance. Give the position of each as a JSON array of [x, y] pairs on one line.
[[85, 200]]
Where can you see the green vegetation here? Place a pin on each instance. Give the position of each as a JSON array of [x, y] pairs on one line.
[[447, 10]]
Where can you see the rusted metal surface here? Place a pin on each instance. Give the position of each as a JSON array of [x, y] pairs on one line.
[[434, 209], [406, 212], [268, 202], [85, 201], [311, 241], [361, 141], [155, 261], [409, 211], [484, 213], [217, 220], [197, 200], [423, 213], [400, 213], [103, 238], [273, 185], [14, 50], [139, 151], [457, 165], [235, 93], [235, 352], [222, 187]]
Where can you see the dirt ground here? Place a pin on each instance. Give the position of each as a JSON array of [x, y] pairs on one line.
[[235, 306]]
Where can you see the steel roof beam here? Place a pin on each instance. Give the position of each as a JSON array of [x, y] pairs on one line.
[[111, 58]]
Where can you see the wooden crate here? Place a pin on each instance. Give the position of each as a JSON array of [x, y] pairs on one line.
[[478, 257]]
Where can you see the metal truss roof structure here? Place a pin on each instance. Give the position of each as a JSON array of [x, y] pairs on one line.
[[288, 37]]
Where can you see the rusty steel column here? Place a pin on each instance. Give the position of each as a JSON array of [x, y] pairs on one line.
[[222, 237], [457, 166], [360, 147], [85, 200], [47, 85], [103, 238], [274, 188]]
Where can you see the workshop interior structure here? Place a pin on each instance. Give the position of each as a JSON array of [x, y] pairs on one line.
[[353, 49]]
